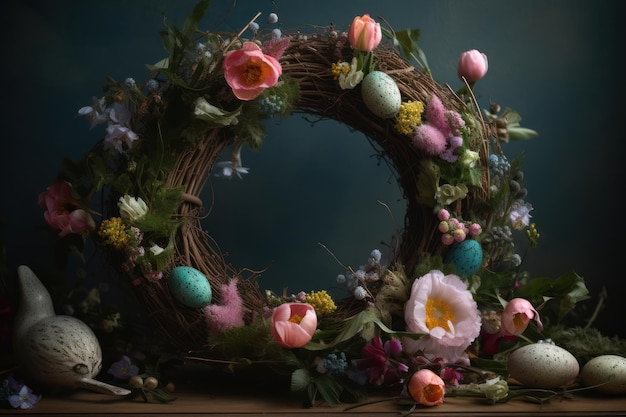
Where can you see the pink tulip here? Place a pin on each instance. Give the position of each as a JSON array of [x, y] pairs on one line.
[[516, 315], [472, 65], [364, 34], [248, 71], [293, 324], [427, 388], [63, 211]]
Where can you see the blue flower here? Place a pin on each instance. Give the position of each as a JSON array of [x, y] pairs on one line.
[[24, 398], [123, 369]]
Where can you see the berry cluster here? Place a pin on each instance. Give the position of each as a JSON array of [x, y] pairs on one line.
[[455, 230]]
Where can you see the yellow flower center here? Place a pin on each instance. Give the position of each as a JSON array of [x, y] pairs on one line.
[[438, 314], [518, 321], [295, 319]]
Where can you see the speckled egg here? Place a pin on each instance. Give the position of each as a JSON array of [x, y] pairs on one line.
[[608, 370], [190, 286], [466, 256], [542, 365], [381, 94]]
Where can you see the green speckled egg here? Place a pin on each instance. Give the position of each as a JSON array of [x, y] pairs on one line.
[[381, 94], [467, 256], [190, 287]]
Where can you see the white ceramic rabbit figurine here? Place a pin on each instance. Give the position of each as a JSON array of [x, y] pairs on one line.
[[58, 351]]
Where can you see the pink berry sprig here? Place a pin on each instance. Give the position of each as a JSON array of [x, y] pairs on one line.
[[453, 230]]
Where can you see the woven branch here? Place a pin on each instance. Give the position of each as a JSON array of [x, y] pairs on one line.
[[307, 62]]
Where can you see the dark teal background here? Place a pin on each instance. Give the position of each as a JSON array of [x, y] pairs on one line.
[[559, 63]]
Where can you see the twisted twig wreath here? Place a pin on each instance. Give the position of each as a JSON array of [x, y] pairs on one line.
[[211, 93]]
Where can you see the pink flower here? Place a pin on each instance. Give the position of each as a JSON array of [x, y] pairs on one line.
[[472, 65], [444, 311], [293, 324], [63, 211], [516, 315], [364, 33], [429, 139], [248, 71], [427, 388], [230, 313]]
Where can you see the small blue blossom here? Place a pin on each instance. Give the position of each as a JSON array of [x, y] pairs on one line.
[[254, 27], [152, 85], [272, 18], [130, 82], [276, 33], [334, 364], [123, 369], [24, 398]]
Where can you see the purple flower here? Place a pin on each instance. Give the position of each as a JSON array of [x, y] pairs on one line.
[[123, 369], [379, 364], [520, 214], [24, 398]]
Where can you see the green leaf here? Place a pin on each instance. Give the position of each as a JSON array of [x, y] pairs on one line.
[[407, 41], [520, 133]]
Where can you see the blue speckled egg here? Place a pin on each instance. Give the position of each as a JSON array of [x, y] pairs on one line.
[[190, 286], [381, 94], [467, 256]]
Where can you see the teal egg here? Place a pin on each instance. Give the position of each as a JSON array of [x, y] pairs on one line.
[[466, 256], [190, 286]]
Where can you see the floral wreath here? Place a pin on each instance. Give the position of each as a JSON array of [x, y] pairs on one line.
[[454, 291]]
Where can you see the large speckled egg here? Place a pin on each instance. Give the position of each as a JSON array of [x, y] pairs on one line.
[[542, 365], [381, 94], [466, 256], [190, 286], [607, 370]]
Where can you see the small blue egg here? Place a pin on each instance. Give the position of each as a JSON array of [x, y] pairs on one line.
[[190, 286], [381, 94], [466, 256]]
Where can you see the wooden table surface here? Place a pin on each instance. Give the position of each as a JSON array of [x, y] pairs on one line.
[[199, 394]]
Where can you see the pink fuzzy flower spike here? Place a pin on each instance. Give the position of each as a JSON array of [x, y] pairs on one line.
[[228, 315], [436, 116]]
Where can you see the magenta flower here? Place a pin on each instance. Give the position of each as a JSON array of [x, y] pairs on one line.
[[63, 211], [248, 71], [442, 309], [378, 362], [516, 316], [473, 65]]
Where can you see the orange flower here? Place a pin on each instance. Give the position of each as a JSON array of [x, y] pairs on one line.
[[293, 324], [427, 388], [364, 34], [248, 71]]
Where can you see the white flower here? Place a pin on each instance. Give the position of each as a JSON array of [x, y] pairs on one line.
[[156, 249], [469, 158], [229, 169], [352, 79], [132, 209]]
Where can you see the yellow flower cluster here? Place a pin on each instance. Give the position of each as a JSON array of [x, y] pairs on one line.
[[409, 116], [113, 231], [321, 302], [339, 68], [533, 234]]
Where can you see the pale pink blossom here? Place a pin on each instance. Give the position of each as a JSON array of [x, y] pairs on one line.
[[516, 316], [293, 324], [63, 211], [473, 65], [248, 71], [364, 33], [443, 310]]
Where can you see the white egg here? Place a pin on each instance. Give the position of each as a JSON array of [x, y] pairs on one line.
[[542, 365], [381, 94], [609, 370]]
